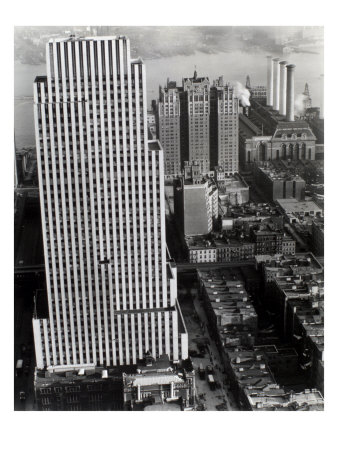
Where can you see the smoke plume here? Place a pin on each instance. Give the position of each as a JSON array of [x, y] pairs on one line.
[[242, 93], [299, 104]]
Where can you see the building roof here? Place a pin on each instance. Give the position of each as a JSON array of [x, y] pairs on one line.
[[274, 173], [154, 145], [292, 205], [152, 378]]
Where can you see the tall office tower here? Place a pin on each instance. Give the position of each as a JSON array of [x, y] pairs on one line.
[[111, 292], [195, 121], [169, 130], [223, 127]]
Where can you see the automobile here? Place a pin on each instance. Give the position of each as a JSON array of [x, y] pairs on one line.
[[18, 368], [210, 369], [22, 396], [201, 348], [27, 362]]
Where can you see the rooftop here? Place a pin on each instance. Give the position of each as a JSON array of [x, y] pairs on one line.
[[213, 242], [297, 263], [87, 38], [273, 173], [154, 145], [292, 206]]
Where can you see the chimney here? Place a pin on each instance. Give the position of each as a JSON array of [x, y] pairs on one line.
[[276, 84], [290, 93], [282, 92], [269, 87]]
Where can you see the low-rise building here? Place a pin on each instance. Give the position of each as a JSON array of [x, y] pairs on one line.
[[265, 135], [286, 288], [239, 244], [159, 382], [230, 311], [83, 388], [276, 183], [211, 249], [317, 237], [255, 388], [282, 360], [274, 266], [299, 307], [232, 190], [273, 242], [306, 332], [296, 211]]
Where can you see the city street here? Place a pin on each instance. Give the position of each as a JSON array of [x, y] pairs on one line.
[[23, 336], [196, 323]]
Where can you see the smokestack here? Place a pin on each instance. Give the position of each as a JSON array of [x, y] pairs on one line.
[[276, 84], [269, 87], [282, 92], [321, 111], [290, 93]]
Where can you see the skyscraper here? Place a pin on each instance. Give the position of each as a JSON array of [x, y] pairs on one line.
[[224, 121], [111, 289], [198, 123], [195, 107], [169, 118]]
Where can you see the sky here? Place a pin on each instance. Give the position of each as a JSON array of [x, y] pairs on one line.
[[156, 42]]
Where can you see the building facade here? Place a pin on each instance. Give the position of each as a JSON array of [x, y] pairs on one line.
[[111, 293], [277, 183], [195, 121], [224, 127], [265, 137], [317, 237], [160, 383], [89, 389], [169, 128], [198, 122], [196, 201]]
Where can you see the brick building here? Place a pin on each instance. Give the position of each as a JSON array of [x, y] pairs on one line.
[[87, 389]]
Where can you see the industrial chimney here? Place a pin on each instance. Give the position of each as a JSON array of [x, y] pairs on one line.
[[282, 91], [269, 87], [290, 93], [276, 84]]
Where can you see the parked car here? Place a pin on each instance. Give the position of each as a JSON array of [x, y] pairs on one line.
[[22, 396], [201, 372], [210, 369], [18, 367], [201, 349]]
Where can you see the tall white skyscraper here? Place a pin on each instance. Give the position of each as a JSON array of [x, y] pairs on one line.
[[111, 289]]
